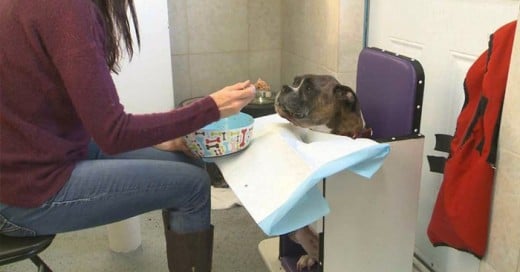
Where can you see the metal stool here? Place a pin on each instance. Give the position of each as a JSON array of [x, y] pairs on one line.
[[14, 249]]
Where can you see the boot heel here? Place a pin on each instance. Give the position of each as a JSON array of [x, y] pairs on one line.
[[188, 252]]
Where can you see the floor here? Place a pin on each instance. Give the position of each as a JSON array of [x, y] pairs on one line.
[[235, 250], [237, 238]]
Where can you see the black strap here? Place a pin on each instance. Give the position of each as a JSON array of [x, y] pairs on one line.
[[492, 157], [481, 108], [442, 142], [437, 164]]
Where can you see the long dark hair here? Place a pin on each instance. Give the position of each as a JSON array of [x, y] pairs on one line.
[[117, 27]]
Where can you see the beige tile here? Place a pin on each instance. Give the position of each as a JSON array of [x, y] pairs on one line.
[[181, 78], [322, 40], [504, 238], [351, 34], [510, 130], [266, 65], [348, 79], [264, 17], [352, 15], [292, 66], [518, 263], [348, 58], [292, 18], [311, 31], [291, 42], [331, 24], [316, 68], [211, 72], [178, 22], [485, 267], [502, 258], [508, 175], [217, 26]]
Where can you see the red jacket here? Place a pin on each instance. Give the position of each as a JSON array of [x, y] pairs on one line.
[[461, 214]]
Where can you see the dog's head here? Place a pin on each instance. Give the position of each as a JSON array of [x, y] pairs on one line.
[[318, 101]]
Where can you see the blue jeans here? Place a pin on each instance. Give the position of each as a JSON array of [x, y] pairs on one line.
[[105, 189]]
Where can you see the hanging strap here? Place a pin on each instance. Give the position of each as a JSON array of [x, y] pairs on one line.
[[443, 142]]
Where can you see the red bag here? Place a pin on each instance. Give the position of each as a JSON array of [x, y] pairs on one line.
[[461, 214]]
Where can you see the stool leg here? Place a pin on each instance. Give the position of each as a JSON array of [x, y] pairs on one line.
[[42, 266]]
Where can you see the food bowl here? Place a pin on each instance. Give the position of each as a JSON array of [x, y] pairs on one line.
[[263, 94], [226, 136], [263, 97]]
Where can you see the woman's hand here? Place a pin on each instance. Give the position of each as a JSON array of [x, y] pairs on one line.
[[177, 144], [231, 99]]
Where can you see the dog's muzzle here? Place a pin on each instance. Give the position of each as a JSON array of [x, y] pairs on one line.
[[288, 105], [289, 113]]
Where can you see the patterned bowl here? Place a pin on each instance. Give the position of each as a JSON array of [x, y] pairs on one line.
[[223, 137]]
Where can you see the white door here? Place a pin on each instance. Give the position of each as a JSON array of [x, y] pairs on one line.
[[446, 36]]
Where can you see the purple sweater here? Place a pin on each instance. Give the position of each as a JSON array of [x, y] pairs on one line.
[[56, 93]]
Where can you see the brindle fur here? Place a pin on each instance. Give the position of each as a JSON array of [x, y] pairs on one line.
[[320, 100]]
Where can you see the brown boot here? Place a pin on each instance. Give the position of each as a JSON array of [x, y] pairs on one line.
[[188, 252]]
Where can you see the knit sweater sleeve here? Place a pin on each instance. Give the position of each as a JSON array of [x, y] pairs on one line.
[[74, 38]]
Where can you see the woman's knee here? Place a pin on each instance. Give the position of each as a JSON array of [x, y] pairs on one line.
[[201, 193], [193, 192]]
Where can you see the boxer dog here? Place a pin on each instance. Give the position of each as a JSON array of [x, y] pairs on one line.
[[319, 102]]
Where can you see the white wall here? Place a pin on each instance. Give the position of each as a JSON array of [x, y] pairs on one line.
[[145, 84]]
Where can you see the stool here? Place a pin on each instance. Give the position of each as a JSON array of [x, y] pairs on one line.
[[14, 249]]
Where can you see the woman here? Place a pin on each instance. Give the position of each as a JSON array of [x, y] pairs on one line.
[[57, 94]]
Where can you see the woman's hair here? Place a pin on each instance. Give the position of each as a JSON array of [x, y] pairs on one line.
[[117, 27]]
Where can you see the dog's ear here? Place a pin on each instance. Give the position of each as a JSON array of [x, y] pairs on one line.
[[297, 80], [345, 93], [347, 96]]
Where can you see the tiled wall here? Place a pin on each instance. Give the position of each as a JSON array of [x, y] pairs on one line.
[[351, 26], [218, 43], [309, 37], [504, 241], [322, 37]]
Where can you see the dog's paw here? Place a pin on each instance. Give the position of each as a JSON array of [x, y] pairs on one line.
[[305, 262], [309, 240]]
